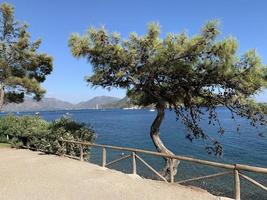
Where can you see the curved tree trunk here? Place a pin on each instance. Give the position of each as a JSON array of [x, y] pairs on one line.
[[154, 133]]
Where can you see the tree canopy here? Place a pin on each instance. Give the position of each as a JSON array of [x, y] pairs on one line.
[[179, 71], [22, 68]]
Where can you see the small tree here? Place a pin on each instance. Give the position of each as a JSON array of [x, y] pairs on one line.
[[179, 72], [22, 68]]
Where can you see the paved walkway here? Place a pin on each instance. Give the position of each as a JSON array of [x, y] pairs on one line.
[[28, 175]]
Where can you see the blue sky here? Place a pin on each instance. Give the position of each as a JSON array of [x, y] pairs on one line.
[[54, 20]]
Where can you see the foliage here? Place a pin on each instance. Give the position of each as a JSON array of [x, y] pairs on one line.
[[22, 68], [263, 107], [179, 72], [34, 132]]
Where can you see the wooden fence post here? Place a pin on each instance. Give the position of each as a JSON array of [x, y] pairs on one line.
[[104, 157], [67, 147], [64, 148], [81, 153], [134, 163], [237, 185], [171, 171]]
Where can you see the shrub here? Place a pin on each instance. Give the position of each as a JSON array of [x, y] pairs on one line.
[[36, 133]]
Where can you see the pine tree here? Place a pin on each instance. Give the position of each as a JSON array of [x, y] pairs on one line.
[[22, 68], [178, 72]]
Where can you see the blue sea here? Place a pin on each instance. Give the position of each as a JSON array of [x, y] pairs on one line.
[[130, 128]]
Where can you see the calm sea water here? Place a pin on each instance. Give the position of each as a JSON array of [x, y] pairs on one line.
[[130, 128]]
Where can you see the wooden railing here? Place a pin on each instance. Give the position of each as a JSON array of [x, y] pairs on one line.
[[232, 169]]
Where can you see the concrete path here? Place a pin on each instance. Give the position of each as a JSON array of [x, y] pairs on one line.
[[28, 175]]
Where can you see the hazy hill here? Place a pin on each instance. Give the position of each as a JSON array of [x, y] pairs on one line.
[[121, 103], [56, 104], [95, 102], [45, 104]]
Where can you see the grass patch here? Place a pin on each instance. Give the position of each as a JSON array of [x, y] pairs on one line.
[[4, 145]]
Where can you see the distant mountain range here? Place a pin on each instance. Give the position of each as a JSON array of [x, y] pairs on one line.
[[56, 104], [99, 102]]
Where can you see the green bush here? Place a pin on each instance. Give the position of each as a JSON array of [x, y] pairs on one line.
[[36, 133]]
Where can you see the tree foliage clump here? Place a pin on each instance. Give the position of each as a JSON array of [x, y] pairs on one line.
[[34, 132], [179, 72], [262, 107], [22, 68]]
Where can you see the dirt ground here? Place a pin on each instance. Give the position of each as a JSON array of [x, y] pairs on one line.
[[28, 175]]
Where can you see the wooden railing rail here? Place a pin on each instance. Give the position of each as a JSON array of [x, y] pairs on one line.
[[206, 177], [184, 158], [151, 168], [117, 160], [253, 181], [234, 168]]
